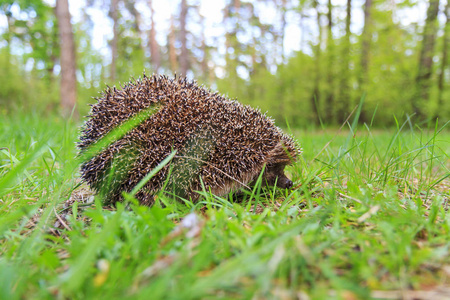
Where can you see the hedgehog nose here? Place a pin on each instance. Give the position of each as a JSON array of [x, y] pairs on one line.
[[289, 184], [284, 182]]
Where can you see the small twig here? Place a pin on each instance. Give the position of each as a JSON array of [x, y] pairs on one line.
[[438, 293], [79, 205], [373, 210], [61, 220], [351, 198]]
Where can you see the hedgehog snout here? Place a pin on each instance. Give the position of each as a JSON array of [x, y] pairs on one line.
[[274, 175], [284, 182]]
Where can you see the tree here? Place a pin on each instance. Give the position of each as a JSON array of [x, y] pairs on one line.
[[173, 62], [155, 57], [231, 19], [426, 60], [114, 51], [282, 5], [344, 85], [365, 51], [315, 97], [205, 51], [329, 98], [444, 59], [67, 59], [131, 7], [184, 56]]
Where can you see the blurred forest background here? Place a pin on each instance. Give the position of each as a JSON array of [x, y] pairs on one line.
[[346, 49]]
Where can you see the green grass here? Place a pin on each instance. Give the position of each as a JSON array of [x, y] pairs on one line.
[[367, 219]]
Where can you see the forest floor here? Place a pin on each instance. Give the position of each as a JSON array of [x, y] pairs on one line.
[[367, 219]]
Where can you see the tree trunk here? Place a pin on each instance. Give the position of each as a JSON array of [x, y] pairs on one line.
[[172, 50], [204, 48], [136, 17], [426, 60], [444, 63], [283, 28], [67, 60], [344, 86], [365, 50], [231, 17], [184, 57], [131, 7], [114, 17], [329, 102], [226, 17], [315, 97], [237, 5], [155, 57]]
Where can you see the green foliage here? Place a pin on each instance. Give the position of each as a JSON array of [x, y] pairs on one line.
[[294, 89], [12, 92], [31, 44], [131, 57], [285, 96], [33, 29], [390, 83], [368, 212]]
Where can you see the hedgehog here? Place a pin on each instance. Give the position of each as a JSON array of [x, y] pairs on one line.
[[221, 145]]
